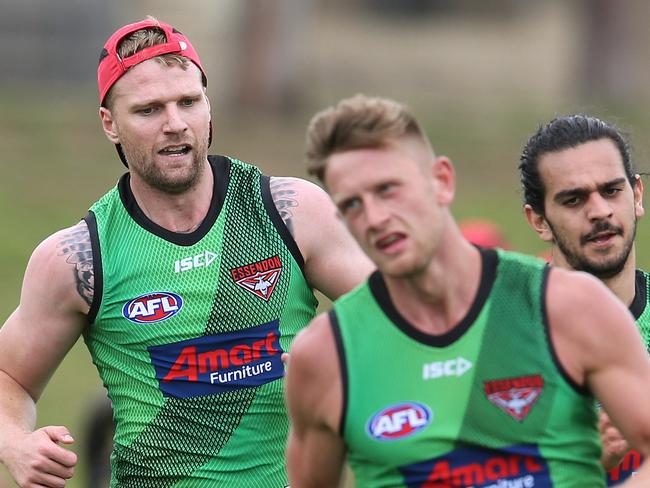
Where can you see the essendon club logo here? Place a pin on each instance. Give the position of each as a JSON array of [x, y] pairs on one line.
[[260, 277], [515, 396]]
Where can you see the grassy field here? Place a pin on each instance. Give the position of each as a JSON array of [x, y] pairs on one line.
[[56, 163]]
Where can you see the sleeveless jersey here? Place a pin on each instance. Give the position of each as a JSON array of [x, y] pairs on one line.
[[641, 312], [485, 405], [188, 332]]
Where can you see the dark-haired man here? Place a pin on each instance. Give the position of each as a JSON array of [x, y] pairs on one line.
[[188, 280], [583, 195]]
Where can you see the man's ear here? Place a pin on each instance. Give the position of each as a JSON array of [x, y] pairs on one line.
[[538, 223], [638, 197], [108, 124], [207, 100], [443, 173]]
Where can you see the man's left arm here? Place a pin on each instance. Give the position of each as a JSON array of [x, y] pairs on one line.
[[334, 263], [600, 347]]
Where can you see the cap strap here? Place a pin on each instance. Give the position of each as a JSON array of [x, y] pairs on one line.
[[153, 51]]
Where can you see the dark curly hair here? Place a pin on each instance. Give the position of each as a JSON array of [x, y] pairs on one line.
[[562, 133]]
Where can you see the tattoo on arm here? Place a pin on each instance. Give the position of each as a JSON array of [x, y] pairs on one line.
[[75, 244], [285, 198]]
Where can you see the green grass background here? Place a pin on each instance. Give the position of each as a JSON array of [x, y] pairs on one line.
[[56, 162]]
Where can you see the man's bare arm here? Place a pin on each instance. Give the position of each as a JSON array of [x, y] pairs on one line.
[[50, 317], [334, 263], [599, 346], [315, 451], [285, 196], [75, 246]]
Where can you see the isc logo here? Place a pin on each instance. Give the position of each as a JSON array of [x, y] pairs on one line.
[[152, 307], [399, 421], [199, 261], [451, 367]]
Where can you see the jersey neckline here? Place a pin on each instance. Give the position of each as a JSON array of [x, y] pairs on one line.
[[637, 307], [220, 166], [377, 285]]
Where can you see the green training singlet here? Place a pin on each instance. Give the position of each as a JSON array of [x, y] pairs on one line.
[[188, 332], [485, 405], [641, 312]]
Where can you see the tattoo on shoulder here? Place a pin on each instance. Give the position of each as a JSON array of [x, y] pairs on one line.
[[75, 244], [285, 198]]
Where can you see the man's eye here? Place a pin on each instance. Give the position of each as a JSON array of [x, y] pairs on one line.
[[146, 111], [386, 187], [349, 205], [571, 202], [188, 102]]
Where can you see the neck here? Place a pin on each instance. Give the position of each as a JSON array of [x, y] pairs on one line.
[[180, 213], [435, 300]]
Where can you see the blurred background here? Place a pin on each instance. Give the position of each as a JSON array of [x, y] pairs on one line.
[[480, 75]]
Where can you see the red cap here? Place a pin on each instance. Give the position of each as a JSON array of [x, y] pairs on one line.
[[112, 67]]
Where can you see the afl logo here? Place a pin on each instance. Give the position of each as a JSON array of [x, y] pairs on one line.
[[152, 307], [399, 421]]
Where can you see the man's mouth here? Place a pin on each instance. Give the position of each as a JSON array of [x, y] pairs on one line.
[[177, 150], [389, 240], [600, 237], [603, 237]]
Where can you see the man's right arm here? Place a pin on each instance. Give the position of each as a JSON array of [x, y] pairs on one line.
[[315, 451], [54, 302]]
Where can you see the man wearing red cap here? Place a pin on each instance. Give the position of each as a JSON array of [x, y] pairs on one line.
[[188, 282]]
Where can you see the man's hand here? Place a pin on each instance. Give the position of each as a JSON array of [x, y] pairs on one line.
[[37, 460], [613, 444]]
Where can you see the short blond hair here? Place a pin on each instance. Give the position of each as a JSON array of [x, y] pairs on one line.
[[358, 122]]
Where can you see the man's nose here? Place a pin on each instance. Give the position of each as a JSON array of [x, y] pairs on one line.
[[174, 122], [376, 213], [598, 207]]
